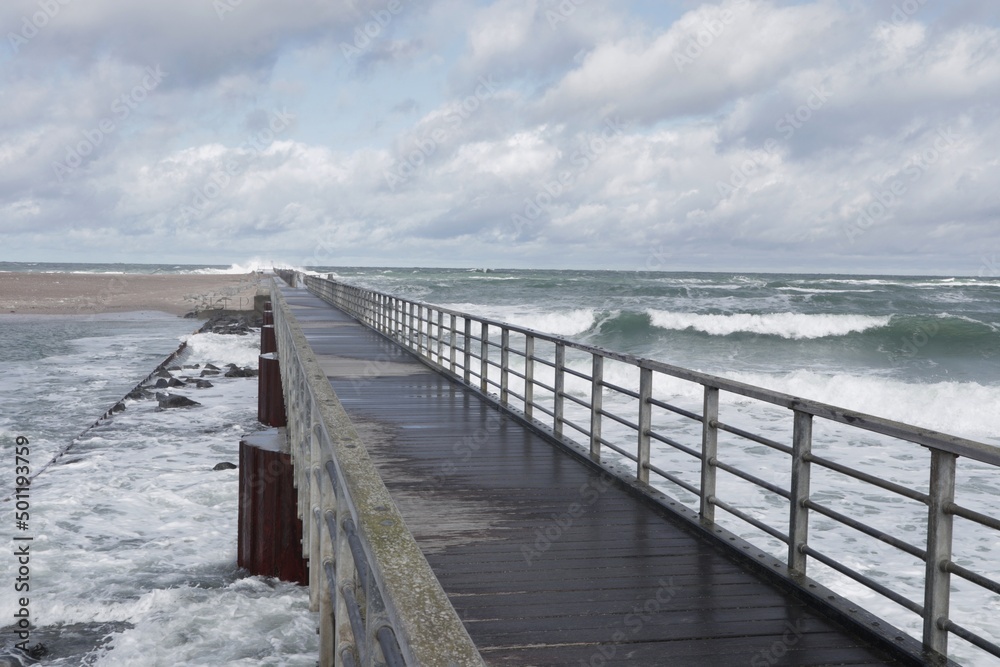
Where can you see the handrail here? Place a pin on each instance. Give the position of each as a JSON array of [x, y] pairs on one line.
[[478, 352], [379, 600]]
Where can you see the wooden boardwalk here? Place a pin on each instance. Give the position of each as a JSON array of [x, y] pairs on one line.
[[547, 560]]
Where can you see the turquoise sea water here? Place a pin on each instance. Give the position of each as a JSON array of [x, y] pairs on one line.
[[926, 348]]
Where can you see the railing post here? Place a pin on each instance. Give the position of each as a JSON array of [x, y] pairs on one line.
[[312, 530], [798, 521], [440, 338], [596, 405], [344, 573], [937, 584], [709, 453], [326, 554], [420, 331], [405, 325], [397, 318], [424, 348], [452, 339], [529, 376], [413, 329], [504, 364], [484, 356], [645, 423], [467, 352], [558, 402]]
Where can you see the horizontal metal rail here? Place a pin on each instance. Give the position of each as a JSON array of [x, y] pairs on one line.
[[544, 379]]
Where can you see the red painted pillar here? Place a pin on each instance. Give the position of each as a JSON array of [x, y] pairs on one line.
[[270, 399], [268, 343], [269, 541]]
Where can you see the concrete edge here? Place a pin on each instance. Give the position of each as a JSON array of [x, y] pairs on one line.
[[428, 628]]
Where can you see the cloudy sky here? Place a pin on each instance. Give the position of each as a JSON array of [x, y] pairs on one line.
[[826, 135]]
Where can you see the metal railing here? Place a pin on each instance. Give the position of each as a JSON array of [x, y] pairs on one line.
[[379, 601], [529, 373]]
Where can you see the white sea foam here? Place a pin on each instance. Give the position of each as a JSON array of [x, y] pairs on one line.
[[250, 266], [885, 282], [221, 348], [785, 325], [567, 322], [968, 409], [821, 290], [134, 526]]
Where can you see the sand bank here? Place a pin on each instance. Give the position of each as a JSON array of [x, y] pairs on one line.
[[89, 294]]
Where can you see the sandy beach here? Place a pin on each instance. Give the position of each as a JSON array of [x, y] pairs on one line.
[[90, 294]]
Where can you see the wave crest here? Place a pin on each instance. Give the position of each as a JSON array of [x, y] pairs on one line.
[[786, 325]]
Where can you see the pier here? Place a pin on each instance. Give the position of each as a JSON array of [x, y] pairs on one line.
[[463, 506]]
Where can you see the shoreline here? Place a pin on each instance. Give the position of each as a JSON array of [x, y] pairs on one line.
[[24, 294]]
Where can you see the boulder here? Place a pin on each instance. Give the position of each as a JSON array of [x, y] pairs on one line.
[[169, 401], [225, 465], [137, 394]]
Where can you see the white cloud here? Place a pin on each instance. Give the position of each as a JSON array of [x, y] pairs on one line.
[[697, 65], [494, 120]]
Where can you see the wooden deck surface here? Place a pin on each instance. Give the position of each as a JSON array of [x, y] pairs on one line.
[[547, 560]]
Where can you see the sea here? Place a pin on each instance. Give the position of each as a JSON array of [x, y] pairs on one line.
[[134, 539]]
